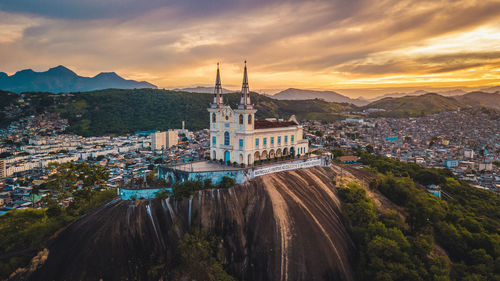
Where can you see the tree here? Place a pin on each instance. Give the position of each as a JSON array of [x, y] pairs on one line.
[[200, 258], [226, 182], [337, 152], [35, 191], [369, 149]]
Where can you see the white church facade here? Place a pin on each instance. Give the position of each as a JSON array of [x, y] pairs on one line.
[[236, 136]]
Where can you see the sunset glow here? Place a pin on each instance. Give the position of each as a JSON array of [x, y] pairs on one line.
[[357, 46]]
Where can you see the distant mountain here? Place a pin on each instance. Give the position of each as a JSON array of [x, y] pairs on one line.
[[491, 89], [61, 79], [415, 105], [452, 93], [448, 93], [330, 96], [479, 98], [203, 90]]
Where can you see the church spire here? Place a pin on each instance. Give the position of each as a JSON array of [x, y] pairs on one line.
[[218, 102], [245, 91]]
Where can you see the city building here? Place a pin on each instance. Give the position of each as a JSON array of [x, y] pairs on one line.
[[450, 163], [469, 153], [158, 140], [172, 137], [236, 136], [3, 169]]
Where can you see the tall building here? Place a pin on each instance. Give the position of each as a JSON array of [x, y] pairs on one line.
[[172, 138], [3, 169], [164, 140], [159, 140], [235, 135], [469, 153]]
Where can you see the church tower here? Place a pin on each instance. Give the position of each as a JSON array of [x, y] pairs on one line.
[[218, 102], [245, 118], [245, 92]]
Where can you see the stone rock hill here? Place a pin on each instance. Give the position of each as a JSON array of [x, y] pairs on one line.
[[284, 226]]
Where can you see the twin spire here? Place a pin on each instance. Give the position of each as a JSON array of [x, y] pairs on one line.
[[218, 90], [245, 91]]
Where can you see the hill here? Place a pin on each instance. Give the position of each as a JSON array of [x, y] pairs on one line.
[[484, 99], [285, 226], [415, 105], [115, 111], [330, 96], [61, 79]]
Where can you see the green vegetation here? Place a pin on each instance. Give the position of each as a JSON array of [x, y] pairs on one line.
[[414, 106], [385, 252], [466, 225], [201, 258], [25, 232], [114, 111]]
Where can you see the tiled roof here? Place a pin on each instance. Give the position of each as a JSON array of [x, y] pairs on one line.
[[264, 124]]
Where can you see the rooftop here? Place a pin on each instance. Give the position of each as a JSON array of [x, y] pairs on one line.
[[265, 124]]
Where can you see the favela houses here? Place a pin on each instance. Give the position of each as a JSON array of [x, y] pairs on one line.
[[241, 146]]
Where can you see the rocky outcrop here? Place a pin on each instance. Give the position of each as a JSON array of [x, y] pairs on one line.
[[283, 226]]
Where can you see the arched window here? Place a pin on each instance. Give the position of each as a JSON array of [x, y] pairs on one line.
[[213, 117], [250, 119], [241, 119], [226, 138]]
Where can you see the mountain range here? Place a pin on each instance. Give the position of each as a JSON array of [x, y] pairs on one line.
[[203, 90], [330, 96], [61, 79]]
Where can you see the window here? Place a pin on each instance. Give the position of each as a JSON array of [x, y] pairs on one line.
[[241, 144], [264, 141], [291, 138], [226, 138], [213, 117], [272, 140], [257, 142], [250, 119], [214, 139], [241, 119], [286, 139], [279, 140]]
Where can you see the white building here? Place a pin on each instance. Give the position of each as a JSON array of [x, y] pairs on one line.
[[469, 153], [235, 135], [485, 166]]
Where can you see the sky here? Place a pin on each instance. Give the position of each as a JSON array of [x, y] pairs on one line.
[[359, 48]]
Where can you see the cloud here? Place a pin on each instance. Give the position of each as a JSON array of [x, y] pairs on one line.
[[315, 44]]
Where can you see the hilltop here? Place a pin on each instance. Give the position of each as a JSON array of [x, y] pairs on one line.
[[330, 96], [415, 105], [61, 79], [287, 226], [484, 99]]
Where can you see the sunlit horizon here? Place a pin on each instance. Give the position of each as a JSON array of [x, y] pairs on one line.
[[356, 48]]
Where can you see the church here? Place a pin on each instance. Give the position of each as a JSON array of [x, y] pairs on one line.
[[236, 136]]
